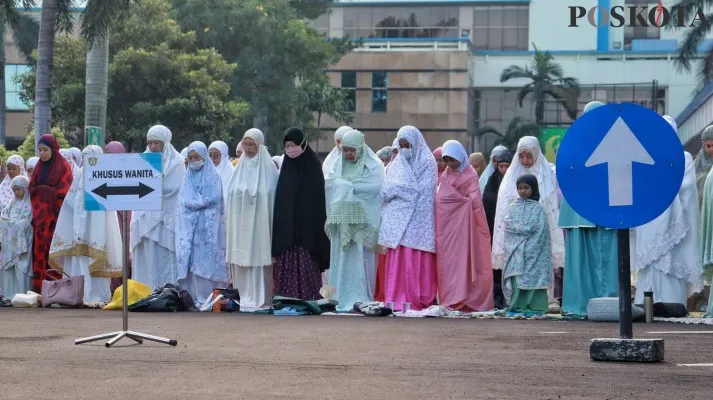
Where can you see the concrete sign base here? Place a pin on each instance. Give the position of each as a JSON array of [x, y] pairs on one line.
[[627, 350]]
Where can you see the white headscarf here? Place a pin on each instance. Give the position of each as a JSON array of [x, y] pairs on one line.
[[6, 194], [395, 146], [333, 155], [32, 162], [80, 233], [408, 192], [23, 182], [16, 229], [497, 152], [184, 153], [251, 197], [454, 149], [225, 168], [91, 149], [199, 219], [76, 155], [239, 149], [18, 161], [671, 243], [350, 189], [547, 182], [278, 161], [144, 223], [67, 154]]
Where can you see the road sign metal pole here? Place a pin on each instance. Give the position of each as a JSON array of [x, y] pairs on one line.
[[125, 332], [606, 164], [124, 271], [142, 191], [625, 328]]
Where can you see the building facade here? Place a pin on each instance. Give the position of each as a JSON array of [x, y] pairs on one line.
[[420, 47], [18, 119], [696, 117]]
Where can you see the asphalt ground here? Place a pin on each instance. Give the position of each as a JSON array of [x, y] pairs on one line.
[[231, 356]]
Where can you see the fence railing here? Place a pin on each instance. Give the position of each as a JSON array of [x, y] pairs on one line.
[[445, 44]]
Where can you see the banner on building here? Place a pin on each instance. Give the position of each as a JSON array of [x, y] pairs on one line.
[[550, 142]]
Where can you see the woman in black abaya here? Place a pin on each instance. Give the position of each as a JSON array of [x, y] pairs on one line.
[[299, 244]]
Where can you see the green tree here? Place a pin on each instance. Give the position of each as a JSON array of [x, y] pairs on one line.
[[156, 75], [97, 20], [67, 85], [517, 129], [688, 50], [324, 99], [273, 47], [27, 148], [547, 80]]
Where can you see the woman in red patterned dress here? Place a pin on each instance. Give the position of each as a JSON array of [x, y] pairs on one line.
[[49, 184]]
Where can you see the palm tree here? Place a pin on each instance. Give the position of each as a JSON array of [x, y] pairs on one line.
[[97, 18], [22, 29], [54, 15], [517, 128], [547, 80], [688, 49]]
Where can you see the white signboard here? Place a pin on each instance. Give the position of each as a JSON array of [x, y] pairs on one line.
[[122, 182]]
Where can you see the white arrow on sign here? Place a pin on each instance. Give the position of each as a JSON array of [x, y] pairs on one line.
[[619, 149]]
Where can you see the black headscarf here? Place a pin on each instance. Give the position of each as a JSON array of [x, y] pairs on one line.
[[490, 192], [300, 210], [531, 180]]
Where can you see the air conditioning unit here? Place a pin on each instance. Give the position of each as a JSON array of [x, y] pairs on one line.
[[616, 45]]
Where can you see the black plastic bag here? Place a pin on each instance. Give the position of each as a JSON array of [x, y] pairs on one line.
[[670, 310], [169, 298]]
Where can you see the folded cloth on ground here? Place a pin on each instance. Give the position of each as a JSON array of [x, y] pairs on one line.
[[372, 309], [606, 309], [136, 291], [290, 311], [432, 311], [314, 307], [688, 321], [26, 300]]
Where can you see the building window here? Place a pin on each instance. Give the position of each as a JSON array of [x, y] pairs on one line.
[[640, 32], [501, 27], [349, 85], [12, 89], [320, 24], [379, 85], [401, 22]]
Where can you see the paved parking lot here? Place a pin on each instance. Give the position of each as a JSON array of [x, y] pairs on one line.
[[337, 357]]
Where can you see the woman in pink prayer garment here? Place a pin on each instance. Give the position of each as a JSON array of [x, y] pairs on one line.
[[438, 153], [465, 278]]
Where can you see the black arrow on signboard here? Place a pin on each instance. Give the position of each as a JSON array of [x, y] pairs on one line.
[[105, 190]]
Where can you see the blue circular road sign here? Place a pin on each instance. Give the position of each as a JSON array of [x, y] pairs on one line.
[[620, 165]]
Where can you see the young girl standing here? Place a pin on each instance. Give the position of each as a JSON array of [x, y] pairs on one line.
[[16, 228], [527, 273]]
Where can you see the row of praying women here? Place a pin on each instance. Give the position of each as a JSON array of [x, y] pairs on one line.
[[404, 225], [244, 225], [536, 234], [31, 196]]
